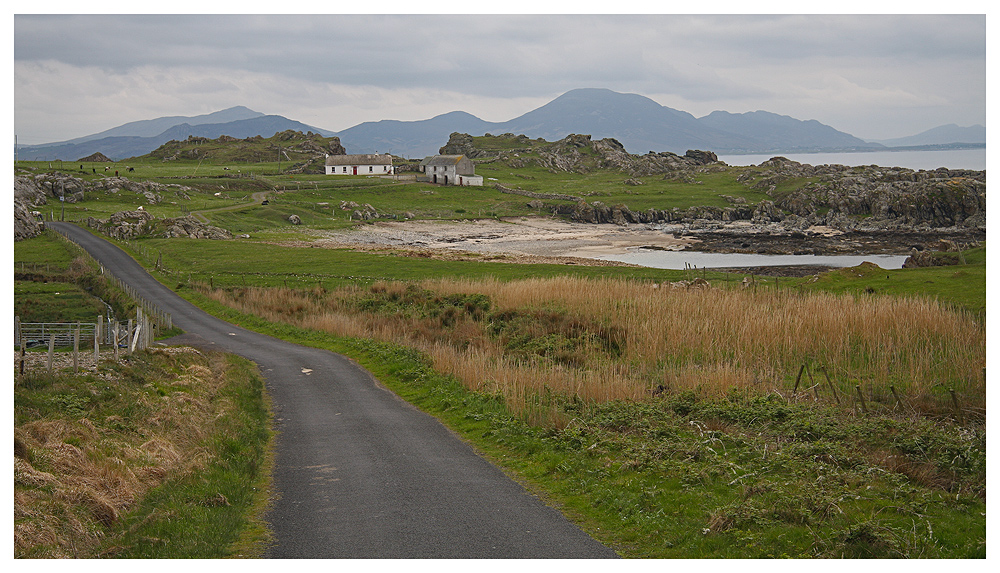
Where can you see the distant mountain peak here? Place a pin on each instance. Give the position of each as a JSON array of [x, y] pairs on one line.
[[241, 108]]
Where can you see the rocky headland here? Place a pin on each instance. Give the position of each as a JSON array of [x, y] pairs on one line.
[[821, 209]]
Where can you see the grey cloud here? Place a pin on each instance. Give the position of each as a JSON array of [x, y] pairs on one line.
[[488, 53], [732, 59]]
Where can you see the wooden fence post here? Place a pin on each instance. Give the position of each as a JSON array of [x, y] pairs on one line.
[[798, 379], [896, 396], [958, 410], [52, 349], [861, 396], [114, 341], [76, 349], [21, 367], [811, 381], [832, 387]]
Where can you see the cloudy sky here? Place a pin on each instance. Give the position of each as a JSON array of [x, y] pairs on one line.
[[873, 76]]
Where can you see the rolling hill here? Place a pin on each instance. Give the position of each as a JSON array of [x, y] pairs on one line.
[[124, 141]]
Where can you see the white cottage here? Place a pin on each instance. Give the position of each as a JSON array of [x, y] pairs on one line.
[[450, 170], [362, 164]]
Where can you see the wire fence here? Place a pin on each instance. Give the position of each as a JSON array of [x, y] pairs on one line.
[[102, 332], [123, 338]]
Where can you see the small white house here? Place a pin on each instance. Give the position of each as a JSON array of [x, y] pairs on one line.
[[450, 170], [362, 164]]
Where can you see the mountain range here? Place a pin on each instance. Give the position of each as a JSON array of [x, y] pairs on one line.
[[639, 123]]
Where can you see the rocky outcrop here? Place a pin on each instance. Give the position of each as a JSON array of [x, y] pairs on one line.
[[868, 199], [26, 222], [365, 213], [598, 212], [38, 189], [877, 198], [57, 185], [460, 144], [27, 190], [701, 157], [863, 199], [27, 195], [578, 153], [320, 146], [926, 258], [194, 229], [362, 212], [126, 225], [151, 191]]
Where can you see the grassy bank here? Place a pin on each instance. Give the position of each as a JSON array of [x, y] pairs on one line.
[[162, 455]]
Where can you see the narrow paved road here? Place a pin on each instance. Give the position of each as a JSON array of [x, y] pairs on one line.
[[359, 472]]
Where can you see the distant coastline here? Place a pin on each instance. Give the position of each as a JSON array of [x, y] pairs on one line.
[[874, 149], [926, 157]]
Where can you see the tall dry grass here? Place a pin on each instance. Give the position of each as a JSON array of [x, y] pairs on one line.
[[709, 339], [745, 337]]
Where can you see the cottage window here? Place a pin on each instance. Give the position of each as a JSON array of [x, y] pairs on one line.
[[371, 168], [345, 169]]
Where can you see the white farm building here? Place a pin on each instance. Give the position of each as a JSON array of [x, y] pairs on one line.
[[450, 170], [363, 164]]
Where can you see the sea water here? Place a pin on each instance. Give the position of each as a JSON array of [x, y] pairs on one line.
[[928, 160], [677, 260]]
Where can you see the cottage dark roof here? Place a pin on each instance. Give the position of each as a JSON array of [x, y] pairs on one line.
[[360, 159]]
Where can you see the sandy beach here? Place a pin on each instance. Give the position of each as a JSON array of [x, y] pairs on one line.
[[536, 239]]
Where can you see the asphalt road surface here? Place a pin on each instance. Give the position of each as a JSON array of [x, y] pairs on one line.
[[359, 472]]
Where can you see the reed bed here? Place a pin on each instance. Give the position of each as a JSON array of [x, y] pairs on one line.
[[655, 338]]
